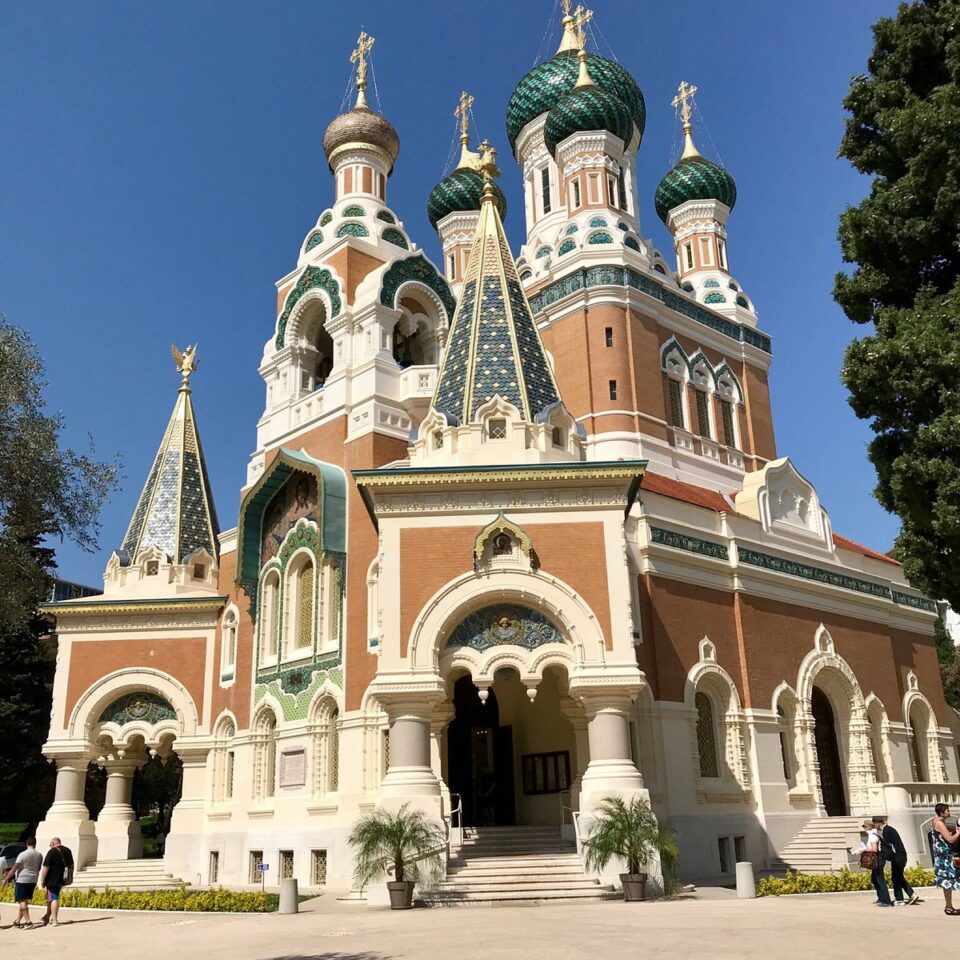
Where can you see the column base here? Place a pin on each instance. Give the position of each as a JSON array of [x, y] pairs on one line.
[[118, 839], [78, 835], [416, 786], [610, 778]]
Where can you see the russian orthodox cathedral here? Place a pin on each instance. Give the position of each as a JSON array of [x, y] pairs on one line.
[[516, 536]]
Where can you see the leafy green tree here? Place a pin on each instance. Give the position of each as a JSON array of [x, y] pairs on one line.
[[904, 132], [949, 664], [47, 492]]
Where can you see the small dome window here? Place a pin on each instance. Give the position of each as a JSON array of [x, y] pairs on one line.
[[688, 287], [658, 268], [714, 298], [544, 252], [326, 218], [734, 287], [352, 229], [386, 216], [711, 283], [573, 228], [601, 237], [632, 243], [395, 237], [566, 247], [622, 226], [314, 240], [598, 222], [743, 302], [355, 211], [526, 275]]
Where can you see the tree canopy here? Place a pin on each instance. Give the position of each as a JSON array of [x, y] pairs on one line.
[[48, 492], [904, 132]]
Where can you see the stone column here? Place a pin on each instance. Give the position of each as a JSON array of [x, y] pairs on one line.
[[439, 722], [410, 777], [68, 817], [611, 770], [183, 854], [118, 831]]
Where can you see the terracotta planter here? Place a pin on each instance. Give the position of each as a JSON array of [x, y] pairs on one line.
[[634, 886], [401, 894]]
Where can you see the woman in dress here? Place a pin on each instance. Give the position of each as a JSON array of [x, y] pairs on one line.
[[946, 875]]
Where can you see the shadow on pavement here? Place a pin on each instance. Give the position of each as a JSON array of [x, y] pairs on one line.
[[365, 955]]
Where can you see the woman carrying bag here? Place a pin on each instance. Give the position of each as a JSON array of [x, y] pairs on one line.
[[946, 864], [870, 860]]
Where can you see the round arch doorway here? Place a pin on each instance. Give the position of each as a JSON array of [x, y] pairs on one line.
[[510, 759], [828, 754]]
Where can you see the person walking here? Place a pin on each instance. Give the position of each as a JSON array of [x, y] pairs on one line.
[[879, 881], [945, 873], [892, 851], [25, 873], [55, 874]]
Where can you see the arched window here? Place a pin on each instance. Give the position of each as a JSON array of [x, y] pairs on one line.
[[706, 736], [318, 344], [269, 600], [676, 370], [702, 383], [326, 747], [917, 743], [228, 644], [265, 755], [373, 603], [302, 591], [223, 761]]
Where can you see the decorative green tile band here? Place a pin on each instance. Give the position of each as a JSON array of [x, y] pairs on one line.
[[918, 603], [312, 278], [294, 689], [790, 567], [680, 541], [143, 706], [611, 275]]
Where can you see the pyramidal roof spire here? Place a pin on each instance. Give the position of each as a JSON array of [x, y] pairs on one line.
[[494, 347], [175, 512]]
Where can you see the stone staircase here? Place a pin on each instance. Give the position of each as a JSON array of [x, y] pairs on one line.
[[515, 865], [126, 875], [821, 846]]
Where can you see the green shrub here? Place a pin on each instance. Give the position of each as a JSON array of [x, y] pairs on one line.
[[842, 882], [208, 901]]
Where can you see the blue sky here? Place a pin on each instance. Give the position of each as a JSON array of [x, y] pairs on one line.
[[163, 162]]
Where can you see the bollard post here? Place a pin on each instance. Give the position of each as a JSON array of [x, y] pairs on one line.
[[289, 896], [746, 886]]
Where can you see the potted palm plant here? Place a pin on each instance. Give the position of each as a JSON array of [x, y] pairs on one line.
[[630, 831], [407, 844]]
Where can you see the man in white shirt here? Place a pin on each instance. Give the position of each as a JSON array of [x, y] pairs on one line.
[[25, 873], [876, 874]]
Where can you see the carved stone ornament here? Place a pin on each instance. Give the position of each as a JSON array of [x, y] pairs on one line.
[[505, 624], [143, 707]]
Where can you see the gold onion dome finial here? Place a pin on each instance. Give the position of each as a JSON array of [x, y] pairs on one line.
[[574, 22], [682, 100], [361, 127], [468, 159]]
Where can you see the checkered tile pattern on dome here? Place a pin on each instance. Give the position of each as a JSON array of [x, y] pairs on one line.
[[175, 512], [694, 178], [494, 348]]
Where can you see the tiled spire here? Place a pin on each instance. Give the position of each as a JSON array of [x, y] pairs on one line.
[[494, 347], [175, 512]]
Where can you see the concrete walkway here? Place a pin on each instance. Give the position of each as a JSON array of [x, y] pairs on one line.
[[827, 926]]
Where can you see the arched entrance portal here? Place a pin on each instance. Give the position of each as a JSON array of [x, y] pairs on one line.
[[828, 754], [511, 759]]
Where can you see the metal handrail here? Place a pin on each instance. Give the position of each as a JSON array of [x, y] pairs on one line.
[[566, 808], [456, 811]]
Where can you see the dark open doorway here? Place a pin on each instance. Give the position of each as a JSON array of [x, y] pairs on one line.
[[828, 754], [480, 758]]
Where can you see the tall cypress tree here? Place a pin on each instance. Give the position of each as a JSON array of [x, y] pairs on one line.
[[904, 377], [48, 492]]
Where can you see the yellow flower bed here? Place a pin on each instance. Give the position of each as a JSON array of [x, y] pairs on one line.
[[841, 882], [212, 901]]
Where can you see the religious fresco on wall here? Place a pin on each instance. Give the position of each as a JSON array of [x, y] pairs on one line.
[[297, 499], [505, 623]]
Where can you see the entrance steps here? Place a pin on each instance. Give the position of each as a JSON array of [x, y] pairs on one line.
[[822, 846], [515, 865], [126, 875]]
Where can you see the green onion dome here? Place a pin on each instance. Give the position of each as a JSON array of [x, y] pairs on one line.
[[694, 178], [541, 89], [460, 192], [585, 109]]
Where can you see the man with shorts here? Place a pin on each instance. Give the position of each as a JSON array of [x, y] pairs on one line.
[[56, 873], [24, 874]]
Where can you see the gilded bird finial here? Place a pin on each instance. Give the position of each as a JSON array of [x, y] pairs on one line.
[[186, 362]]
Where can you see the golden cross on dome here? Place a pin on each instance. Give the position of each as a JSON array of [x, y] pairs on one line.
[[682, 100], [463, 112], [359, 56], [581, 17], [567, 7]]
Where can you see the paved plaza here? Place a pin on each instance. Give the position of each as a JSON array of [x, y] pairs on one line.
[[714, 925]]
